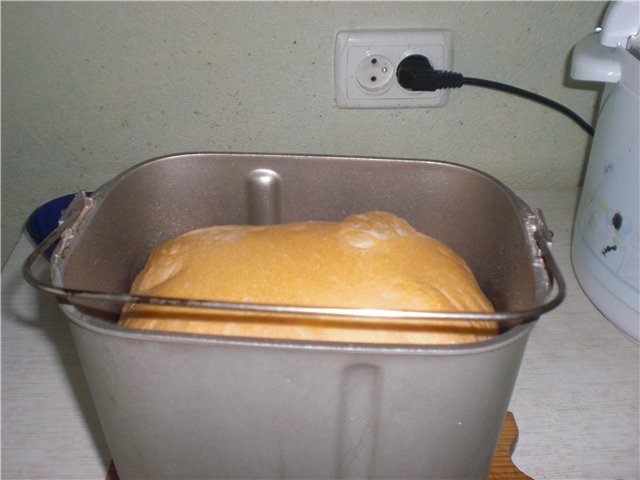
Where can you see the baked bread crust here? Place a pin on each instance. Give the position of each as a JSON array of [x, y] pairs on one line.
[[370, 260]]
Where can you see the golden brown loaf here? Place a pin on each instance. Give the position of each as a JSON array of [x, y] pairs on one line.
[[372, 260]]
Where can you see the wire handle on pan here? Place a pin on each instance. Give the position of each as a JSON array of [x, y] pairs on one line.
[[80, 205], [65, 230], [543, 239]]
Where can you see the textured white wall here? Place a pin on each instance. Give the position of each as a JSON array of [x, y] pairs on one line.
[[91, 88]]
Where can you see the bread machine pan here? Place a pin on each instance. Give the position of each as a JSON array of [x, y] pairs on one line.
[[186, 406]]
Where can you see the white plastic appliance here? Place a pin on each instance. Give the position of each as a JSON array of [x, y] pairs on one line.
[[606, 235]]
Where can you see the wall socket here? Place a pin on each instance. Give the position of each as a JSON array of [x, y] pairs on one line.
[[366, 62]]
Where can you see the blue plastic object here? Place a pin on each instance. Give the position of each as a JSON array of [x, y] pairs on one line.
[[45, 218]]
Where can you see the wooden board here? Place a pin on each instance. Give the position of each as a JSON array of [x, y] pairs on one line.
[[502, 467]]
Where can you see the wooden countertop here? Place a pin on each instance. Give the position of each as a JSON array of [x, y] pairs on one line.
[[576, 401]]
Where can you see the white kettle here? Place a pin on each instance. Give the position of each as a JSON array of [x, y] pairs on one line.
[[606, 234]]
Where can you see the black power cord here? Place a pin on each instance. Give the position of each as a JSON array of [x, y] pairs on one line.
[[416, 73]]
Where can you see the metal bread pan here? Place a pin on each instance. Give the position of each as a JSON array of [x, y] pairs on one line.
[[191, 406]]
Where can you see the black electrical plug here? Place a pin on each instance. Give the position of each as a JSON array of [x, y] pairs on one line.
[[416, 73]]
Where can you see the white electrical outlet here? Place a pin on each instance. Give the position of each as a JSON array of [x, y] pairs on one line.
[[374, 73], [366, 63]]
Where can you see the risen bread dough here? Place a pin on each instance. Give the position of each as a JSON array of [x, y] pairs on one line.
[[372, 260]]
